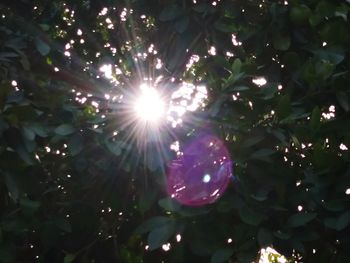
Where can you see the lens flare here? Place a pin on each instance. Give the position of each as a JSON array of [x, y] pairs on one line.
[[149, 106], [201, 173]]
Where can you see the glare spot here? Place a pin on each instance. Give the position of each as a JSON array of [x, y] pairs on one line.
[[149, 106], [206, 178], [324, 44], [250, 105], [194, 95], [343, 147], [175, 146], [107, 70], [229, 54], [79, 32], [178, 237], [271, 255], [261, 81], [193, 59], [166, 247], [95, 104], [300, 208], [347, 191], [212, 51], [234, 40], [103, 11], [229, 240], [159, 64]]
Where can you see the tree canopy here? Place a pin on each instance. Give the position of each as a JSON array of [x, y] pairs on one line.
[[82, 181]]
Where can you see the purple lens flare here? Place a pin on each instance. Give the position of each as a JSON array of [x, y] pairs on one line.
[[201, 173]]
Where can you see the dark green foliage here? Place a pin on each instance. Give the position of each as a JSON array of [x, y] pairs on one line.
[[75, 188]]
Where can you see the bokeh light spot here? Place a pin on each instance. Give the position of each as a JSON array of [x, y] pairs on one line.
[[149, 106], [201, 174]]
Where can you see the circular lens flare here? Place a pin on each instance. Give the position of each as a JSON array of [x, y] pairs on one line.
[[149, 106], [201, 173]]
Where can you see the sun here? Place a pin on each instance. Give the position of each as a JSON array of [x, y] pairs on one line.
[[149, 106]]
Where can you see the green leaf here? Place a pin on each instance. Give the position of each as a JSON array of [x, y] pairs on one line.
[[44, 27], [182, 24], [42, 47], [114, 147], [68, 258], [75, 145], [315, 19], [291, 60], [281, 42], [301, 219], [28, 133], [265, 237], [260, 195], [315, 121], [335, 205], [284, 108], [281, 235], [299, 14], [342, 11], [147, 199], [63, 224], [169, 204], [343, 100], [252, 141], [236, 66], [240, 88], [160, 235], [343, 221], [64, 129], [170, 13], [221, 255], [262, 153], [12, 186], [201, 8], [39, 130], [333, 55], [152, 223], [339, 223], [29, 205], [25, 156], [250, 217]]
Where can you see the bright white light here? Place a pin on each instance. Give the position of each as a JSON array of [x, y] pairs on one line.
[[166, 247], [149, 106], [178, 237], [206, 178], [343, 147], [259, 81]]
